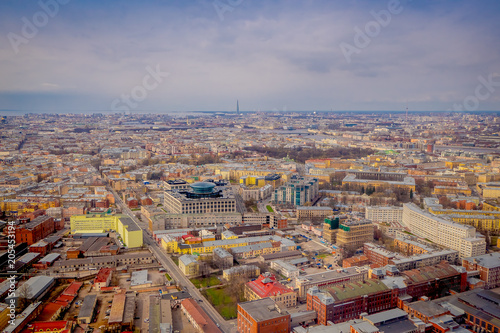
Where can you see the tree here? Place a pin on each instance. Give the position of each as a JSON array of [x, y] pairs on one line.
[[411, 194], [236, 288], [204, 268], [370, 190], [22, 297]]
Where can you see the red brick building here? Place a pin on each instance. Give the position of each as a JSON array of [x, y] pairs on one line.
[[488, 266], [345, 302], [33, 215], [33, 231], [357, 261], [279, 224], [146, 201], [41, 247], [377, 255], [262, 316], [132, 202]]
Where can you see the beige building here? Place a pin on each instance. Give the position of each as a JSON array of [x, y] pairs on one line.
[[203, 198], [189, 265], [255, 193], [384, 214], [246, 271], [459, 237], [491, 191], [311, 212], [353, 234]]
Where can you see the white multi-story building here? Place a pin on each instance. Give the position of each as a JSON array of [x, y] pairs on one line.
[[203, 197], [384, 214], [287, 270], [459, 237]]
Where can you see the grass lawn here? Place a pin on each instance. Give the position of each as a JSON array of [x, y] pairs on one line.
[[324, 255], [270, 209], [168, 277], [205, 282], [493, 240], [225, 304]]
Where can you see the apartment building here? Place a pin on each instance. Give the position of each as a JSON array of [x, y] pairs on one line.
[[189, 265], [384, 214], [222, 258], [246, 271], [297, 191], [446, 233], [410, 247], [353, 234], [488, 266], [313, 212]]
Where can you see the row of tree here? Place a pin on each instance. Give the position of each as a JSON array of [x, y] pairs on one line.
[[302, 154]]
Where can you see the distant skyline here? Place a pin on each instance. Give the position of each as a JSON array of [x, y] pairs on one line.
[[165, 56]]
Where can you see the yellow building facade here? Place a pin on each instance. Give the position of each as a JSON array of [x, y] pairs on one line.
[[129, 231]]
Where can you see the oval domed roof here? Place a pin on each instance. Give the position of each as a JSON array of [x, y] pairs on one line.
[[203, 187]]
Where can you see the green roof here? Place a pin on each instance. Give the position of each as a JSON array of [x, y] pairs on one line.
[[356, 289]]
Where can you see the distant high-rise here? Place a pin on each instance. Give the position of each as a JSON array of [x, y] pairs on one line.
[[237, 107]]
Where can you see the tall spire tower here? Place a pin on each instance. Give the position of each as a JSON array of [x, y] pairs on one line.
[[237, 107]]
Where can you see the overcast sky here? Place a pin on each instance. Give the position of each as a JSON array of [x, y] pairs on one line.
[[270, 55]]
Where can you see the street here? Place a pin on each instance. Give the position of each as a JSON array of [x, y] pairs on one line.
[[175, 271]]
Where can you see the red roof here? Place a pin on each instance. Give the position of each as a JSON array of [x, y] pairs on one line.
[[266, 285], [73, 288], [199, 316], [52, 325], [187, 236], [49, 311], [103, 274]]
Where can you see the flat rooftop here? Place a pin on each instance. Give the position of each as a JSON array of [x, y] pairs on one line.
[[132, 226], [489, 260], [329, 275], [139, 278], [87, 306], [262, 309]]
